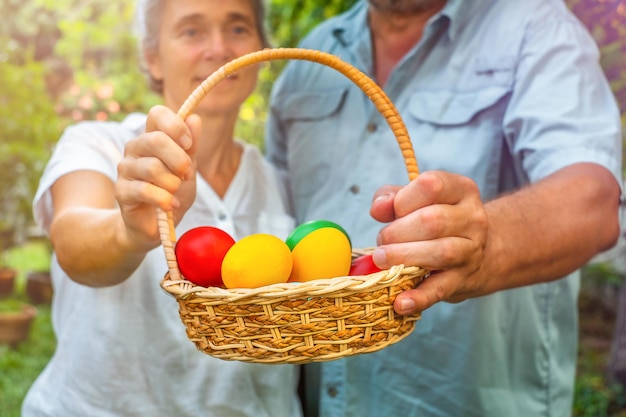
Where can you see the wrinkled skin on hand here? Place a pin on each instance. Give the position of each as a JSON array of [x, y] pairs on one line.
[[536, 234], [438, 222]]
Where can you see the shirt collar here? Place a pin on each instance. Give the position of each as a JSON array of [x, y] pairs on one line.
[[459, 12], [348, 29]]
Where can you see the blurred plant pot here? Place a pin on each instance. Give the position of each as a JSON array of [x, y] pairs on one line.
[[7, 281], [39, 287], [15, 325]]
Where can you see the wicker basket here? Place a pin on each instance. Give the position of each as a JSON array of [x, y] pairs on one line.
[[313, 321]]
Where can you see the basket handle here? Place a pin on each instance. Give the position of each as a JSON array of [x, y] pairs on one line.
[[370, 88]]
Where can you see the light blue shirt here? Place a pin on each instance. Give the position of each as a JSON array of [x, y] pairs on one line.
[[505, 92]]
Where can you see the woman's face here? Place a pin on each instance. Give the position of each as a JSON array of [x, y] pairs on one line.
[[197, 37]]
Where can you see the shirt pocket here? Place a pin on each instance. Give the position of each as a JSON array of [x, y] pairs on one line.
[[454, 108], [312, 125], [461, 132]]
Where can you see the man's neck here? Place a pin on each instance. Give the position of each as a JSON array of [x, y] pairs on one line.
[[394, 35]]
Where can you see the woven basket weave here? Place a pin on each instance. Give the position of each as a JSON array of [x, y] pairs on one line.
[[305, 322]]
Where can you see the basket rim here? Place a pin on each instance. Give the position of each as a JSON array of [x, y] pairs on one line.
[[326, 287]]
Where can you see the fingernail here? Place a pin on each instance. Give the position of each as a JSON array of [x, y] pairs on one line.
[[379, 256], [185, 142], [406, 305], [382, 197]]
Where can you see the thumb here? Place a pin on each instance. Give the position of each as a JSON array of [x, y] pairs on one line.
[[382, 208], [194, 123], [430, 291]]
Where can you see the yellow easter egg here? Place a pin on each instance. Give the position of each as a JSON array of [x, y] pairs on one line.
[[255, 261], [323, 253]]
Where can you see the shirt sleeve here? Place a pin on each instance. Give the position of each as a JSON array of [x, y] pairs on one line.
[[562, 110], [88, 146]]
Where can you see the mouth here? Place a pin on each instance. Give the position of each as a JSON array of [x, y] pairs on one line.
[[229, 77]]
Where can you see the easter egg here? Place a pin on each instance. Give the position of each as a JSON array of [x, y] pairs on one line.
[[363, 265], [305, 228], [255, 261], [199, 254], [320, 249]]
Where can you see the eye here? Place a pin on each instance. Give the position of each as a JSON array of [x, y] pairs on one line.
[[240, 29], [190, 32]]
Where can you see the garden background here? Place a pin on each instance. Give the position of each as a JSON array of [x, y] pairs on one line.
[[62, 61]]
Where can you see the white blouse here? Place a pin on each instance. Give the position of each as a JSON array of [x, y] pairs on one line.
[[122, 350]]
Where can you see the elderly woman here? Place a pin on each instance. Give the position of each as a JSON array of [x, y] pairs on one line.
[[122, 350]]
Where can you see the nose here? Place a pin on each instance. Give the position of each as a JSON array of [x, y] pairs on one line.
[[216, 46]]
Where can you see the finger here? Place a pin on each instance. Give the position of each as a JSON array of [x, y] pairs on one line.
[[432, 187], [382, 204], [138, 193], [159, 146], [194, 123], [163, 119], [430, 222], [448, 286], [150, 170], [431, 290], [439, 254]]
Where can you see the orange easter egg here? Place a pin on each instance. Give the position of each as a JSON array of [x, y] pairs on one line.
[[320, 249]]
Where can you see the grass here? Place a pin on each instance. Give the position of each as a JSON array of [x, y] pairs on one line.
[[19, 367], [33, 256], [594, 396]]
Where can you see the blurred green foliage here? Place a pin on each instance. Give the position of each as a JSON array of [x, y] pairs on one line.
[[62, 61], [28, 126], [20, 366], [56, 57], [593, 398]]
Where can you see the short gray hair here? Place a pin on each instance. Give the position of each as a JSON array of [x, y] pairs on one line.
[[148, 14]]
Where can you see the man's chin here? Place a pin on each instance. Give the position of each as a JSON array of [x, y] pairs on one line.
[[405, 6]]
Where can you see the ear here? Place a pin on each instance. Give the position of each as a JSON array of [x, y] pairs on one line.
[[153, 63]]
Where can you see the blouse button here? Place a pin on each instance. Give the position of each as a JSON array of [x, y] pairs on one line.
[[355, 189], [372, 127]]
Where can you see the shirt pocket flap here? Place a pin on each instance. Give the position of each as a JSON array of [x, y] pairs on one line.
[[312, 105], [453, 108]]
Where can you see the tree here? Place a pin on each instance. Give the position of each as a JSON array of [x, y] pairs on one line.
[[28, 122], [61, 61]]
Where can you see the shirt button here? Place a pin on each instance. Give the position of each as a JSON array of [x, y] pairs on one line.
[[222, 216], [332, 392], [372, 127], [355, 189]]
